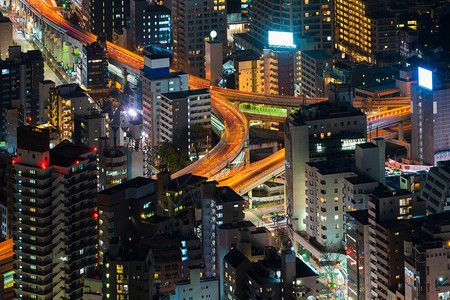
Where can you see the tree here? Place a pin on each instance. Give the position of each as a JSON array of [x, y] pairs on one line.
[[198, 135], [329, 261], [171, 157]]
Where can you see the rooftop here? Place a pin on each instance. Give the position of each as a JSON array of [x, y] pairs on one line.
[[235, 258], [136, 182], [391, 193], [302, 270], [185, 94], [226, 194], [360, 179], [335, 166], [321, 111], [362, 216], [367, 145], [317, 54], [66, 154], [185, 181], [390, 85]]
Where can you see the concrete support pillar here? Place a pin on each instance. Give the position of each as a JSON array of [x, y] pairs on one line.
[[400, 131], [288, 111], [125, 77], [70, 55], [59, 50], [65, 56], [236, 104]]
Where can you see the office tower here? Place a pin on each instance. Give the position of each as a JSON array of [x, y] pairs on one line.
[[192, 24], [390, 223], [435, 188], [312, 64], [6, 33], [366, 30], [156, 78], [66, 102], [312, 133], [52, 197], [305, 19], [427, 260], [94, 71], [429, 121], [107, 16], [249, 75], [20, 78], [129, 273], [150, 24], [7, 269], [280, 76], [185, 121], [325, 220], [197, 287], [358, 254]]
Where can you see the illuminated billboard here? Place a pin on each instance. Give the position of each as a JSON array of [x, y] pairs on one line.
[[280, 38], [425, 78]]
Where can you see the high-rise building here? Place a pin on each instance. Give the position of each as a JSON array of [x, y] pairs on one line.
[[429, 121], [7, 269], [427, 260], [183, 112], [317, 132], [196, 286], [358, 254], [436, 188], [325, 214], [129, 273], [312, 64], [20, 78], [280, 76], [94, 70], [366, 30], [6, 33], [390, 223], [155, 79], [249, 75], [307, 20], [65, 103], [106, 16], [120, 208], [52, 199], [192, 24], [150, 24], [88, 130]]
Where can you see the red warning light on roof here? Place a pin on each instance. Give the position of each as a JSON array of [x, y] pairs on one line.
[[96, 215]]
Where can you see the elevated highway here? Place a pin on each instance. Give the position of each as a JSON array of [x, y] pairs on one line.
[[233, 140]]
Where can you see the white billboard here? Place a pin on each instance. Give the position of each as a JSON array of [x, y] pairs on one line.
[[280, 38], [425, 78]]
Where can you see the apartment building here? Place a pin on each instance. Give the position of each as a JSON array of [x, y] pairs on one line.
[[52, 200], [181, 113]]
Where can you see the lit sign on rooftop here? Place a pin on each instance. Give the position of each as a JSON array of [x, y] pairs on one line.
[[425, 78], [279, 38]]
